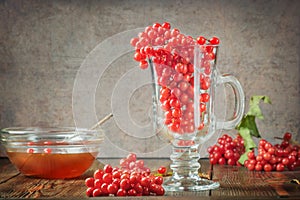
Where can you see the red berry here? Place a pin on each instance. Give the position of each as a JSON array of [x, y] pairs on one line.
[[107, 168], [98, 174], [146, 191], [107, 178], [97, 192], [125, 184], [251, 155], [143, 64], [132, 192], [258, 167], [201, 40], [174, 33], [251, 167], [279, 167], [112, 188], [183, 85], [89, 192], [285, 161], [162, 170], [213, 161], [158, 180], [104, 188], [205, 97], [268, 167], [166, 25], [145, 181], [30, 150], [228, 154], [98, 183], [176, 113], [267, 156], [138, 188], [174, 126], [121, 193], [174, 103], [156, 25], [89, 182], [131, 157], [160, 191], [48, 150], [287, 136], [271, 150], [222, 161], [214, 41], [124, 163], [116, 174], [138, 57]]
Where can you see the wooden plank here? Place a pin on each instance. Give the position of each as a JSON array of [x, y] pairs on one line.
[[21, 186], [282, 184], [236, 182], [7, 170], [26, 187]]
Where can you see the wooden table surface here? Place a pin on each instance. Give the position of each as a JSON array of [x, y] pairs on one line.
[[236, 183]]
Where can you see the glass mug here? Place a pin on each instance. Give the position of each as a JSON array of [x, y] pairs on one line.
[[185, 79]]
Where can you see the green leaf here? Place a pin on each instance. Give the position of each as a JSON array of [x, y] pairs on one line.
[[254, 109], [248, 122], [244, 157], [248, 143]]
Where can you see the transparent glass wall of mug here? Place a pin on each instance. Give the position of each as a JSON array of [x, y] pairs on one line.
[[184, 83]]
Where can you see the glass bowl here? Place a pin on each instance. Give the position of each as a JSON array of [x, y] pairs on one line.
[[53, 153]]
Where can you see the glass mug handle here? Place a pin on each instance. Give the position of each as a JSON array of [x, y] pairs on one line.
[[239, 103]]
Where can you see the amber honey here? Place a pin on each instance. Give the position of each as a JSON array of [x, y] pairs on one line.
[[51, 165]]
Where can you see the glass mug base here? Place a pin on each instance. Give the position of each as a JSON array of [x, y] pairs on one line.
[[190, 183], [186, 166]]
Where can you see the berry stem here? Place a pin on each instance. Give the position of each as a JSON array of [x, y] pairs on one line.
[[280, 138], [107, 117]]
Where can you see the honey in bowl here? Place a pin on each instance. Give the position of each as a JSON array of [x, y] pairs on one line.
[[52, 153], [51, 166]]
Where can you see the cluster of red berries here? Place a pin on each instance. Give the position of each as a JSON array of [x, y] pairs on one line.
[[270, 157], [115, 181], [276, 157], [132, 164], [227, 151], [172, 54]]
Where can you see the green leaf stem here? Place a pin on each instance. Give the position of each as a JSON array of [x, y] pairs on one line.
[[248, 128]]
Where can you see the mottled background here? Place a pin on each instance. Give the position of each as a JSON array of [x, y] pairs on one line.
[[44, 43]]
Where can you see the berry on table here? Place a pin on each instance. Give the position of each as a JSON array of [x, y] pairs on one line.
[[124, 180], [277, 157], [162, 170]]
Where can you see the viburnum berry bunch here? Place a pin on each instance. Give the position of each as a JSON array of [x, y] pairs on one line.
[[171, 54], [276, 157], [130, 179], [241, 150], [227, 151]]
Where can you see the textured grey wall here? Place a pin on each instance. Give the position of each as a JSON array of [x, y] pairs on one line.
[[43, 44]]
